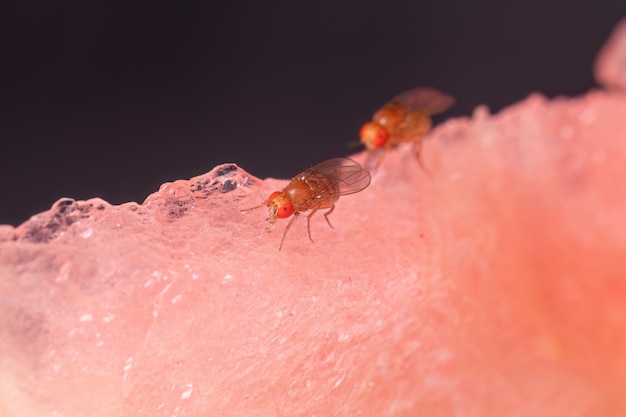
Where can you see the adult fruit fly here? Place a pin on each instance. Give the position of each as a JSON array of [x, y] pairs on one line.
[[405, 118], [317, 188]]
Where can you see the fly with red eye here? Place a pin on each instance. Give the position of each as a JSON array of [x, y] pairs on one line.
[[319, 187], [404, 118]]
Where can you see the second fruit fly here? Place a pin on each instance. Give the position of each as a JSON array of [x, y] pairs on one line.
[[405, 118]]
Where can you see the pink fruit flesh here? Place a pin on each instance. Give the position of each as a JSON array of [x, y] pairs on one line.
[[494, 288]]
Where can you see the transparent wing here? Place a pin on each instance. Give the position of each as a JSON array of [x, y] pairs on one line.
[[429, 100], [346, 176]]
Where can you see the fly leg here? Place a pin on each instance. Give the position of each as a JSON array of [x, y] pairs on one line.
[[264, 203], [308, 218], [374, 158], [326, 216], [308, 221], [417, 149], [293, 219]]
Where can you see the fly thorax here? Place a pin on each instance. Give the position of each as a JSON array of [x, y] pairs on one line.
[[299, 192]]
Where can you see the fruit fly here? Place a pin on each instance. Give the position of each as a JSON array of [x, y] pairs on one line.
[[404, 118], [317, 188]]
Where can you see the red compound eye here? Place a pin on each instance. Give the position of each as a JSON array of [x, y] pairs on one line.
[[273, 196], [381, 138], [285, 210], [373, 136]]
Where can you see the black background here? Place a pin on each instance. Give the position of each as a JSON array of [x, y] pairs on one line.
[[113, 98]]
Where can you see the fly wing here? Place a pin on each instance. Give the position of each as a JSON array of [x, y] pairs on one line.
[[346, 175], [429, 100]]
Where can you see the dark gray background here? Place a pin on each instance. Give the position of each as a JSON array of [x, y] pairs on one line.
[[112, 100]]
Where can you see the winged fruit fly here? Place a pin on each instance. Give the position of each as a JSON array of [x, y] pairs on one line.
[[319, 187], [404, 118]]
